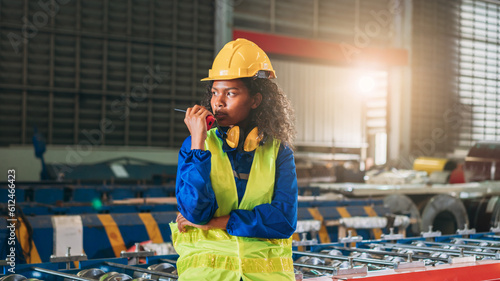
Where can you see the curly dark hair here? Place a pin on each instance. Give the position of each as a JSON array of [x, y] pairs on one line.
[[274, 117]]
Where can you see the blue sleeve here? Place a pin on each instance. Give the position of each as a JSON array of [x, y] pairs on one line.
[[193, 189], [278, 219]]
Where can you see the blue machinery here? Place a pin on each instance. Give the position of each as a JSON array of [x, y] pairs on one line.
[[113, 218], [466, 256], [370, 245]]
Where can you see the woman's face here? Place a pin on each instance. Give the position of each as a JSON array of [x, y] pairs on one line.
[[231, 102]]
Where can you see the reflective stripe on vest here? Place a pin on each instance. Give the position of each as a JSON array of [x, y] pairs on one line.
[[216, 255]]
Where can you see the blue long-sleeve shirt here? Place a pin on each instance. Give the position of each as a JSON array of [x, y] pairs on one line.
[[197, 203]]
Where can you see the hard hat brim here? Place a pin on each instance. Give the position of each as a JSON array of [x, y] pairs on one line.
[[231, 77], [225, 77]]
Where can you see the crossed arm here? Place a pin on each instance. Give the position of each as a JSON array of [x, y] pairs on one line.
[[219, 222]]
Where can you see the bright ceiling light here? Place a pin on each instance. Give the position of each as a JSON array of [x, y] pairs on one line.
[[366, 83]]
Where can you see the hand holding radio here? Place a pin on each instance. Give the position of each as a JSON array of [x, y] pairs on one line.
[[210, 119], [198, 120]]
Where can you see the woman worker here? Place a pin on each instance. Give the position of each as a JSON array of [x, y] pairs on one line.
[[236, 184]]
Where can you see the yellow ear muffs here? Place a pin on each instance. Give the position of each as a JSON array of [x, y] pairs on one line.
[[251, 142], [233, 136]]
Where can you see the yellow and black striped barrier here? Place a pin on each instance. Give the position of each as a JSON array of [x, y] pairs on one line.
[[330, 215], [104, 235]]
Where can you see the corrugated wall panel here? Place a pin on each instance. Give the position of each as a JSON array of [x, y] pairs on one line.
[[337, 20], [434, 68], [127, 61], [327, 106], [478, 76]]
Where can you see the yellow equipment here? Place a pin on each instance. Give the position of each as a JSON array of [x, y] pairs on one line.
[[238, 59], [431, 164]]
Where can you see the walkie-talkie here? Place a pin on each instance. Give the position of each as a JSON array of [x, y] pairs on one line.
[[210, 119]]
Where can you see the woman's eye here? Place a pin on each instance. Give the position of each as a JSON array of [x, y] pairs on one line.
[[230, 94]]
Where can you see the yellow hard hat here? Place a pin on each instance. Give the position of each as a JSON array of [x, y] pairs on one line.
[[240, 58]]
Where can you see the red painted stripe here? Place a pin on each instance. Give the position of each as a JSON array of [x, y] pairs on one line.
[[460, 272], [337, 53]]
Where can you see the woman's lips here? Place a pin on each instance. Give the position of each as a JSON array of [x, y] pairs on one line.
[[220, 115]]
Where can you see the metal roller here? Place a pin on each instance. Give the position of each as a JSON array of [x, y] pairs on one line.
[[160, 267], [343, 258], [314, 261], [379, 253], [61, 274], [333, 252], [302, 259], [309, 270], [381, 258], [477, 248], [93, 273], [480, 242], [342, 263], [361, 255], [398, 256], [148, 272], [114, 276], [328, 261], [163, 267], [435, 251], [13, 277]]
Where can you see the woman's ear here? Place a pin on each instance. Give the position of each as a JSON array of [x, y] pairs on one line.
[[257, 99]]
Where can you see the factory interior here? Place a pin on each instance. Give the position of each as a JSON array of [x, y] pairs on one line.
[[394, 108]]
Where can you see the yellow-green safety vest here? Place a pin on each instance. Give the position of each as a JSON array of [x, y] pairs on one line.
[[216, 255]]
